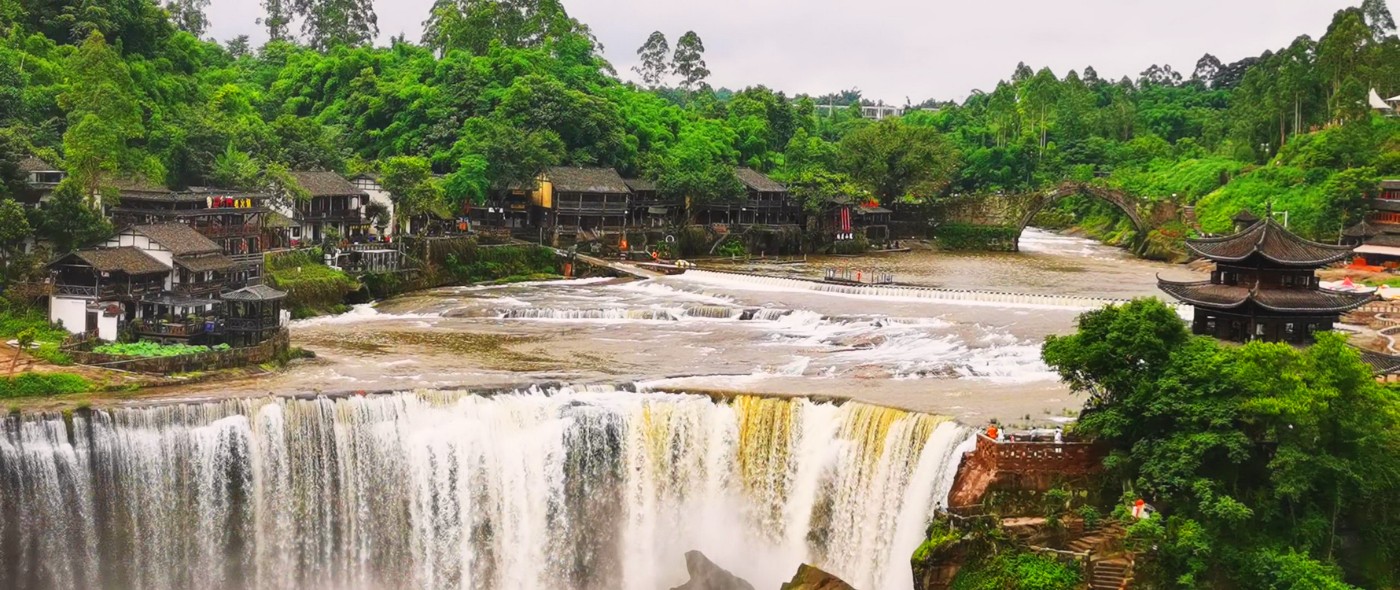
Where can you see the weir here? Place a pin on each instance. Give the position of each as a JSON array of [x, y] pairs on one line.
[[974, 297], [561, 489]]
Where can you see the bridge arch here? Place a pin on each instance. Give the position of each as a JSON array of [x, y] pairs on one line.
[[1117, 198]]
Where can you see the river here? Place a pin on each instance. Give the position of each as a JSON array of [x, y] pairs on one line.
[[969, 361], [611, 434]]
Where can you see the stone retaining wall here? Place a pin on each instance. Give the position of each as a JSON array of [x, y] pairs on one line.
[[204, 361]]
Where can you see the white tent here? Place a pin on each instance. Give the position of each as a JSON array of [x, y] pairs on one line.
[[1377, 103]]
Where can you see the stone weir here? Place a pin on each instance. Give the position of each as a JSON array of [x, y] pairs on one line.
[[959, 296]]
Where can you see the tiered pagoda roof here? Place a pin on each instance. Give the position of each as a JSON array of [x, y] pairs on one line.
[[1205, 293], [1271, 241]]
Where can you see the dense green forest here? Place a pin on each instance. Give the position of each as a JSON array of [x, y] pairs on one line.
[[496, 90], [1271, 467]]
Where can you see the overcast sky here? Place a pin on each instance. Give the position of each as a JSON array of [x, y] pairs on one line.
[[895, 49]]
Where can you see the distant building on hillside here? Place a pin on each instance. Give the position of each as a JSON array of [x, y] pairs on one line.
[[1264, 286], [1377, 237]]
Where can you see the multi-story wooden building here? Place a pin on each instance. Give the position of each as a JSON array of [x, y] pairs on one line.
[[649, 209], [1377, 237], [1264, 286], [582, 203], [98, 290], [334, 206], [764, 202], [163, 282], [235, 221]]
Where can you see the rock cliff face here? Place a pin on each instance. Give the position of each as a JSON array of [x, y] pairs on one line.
[[705, 575], [812, 578]]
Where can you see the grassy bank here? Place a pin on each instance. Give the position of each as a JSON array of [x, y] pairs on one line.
[[42, 384], [312, 287], [16, 319]]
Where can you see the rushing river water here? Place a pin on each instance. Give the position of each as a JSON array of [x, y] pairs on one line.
[[699, 331], [582, 486], [568, 490]]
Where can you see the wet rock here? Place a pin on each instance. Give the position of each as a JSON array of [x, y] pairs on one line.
[[705, 575], [812, 578]]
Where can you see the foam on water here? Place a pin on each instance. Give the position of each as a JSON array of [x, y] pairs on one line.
[[574, 488]]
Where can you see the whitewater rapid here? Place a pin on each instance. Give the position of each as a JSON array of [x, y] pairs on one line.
[[532, 489]]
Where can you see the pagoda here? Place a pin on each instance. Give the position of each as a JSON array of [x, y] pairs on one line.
[[1264, 286]]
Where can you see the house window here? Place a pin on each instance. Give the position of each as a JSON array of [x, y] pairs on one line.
[[1288, 328], [1312, 328], [1258, 329], [1288, 280]]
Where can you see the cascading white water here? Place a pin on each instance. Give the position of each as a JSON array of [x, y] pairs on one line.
[[558, 489]]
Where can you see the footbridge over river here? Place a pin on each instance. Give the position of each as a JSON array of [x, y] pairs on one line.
[[1016, 211]]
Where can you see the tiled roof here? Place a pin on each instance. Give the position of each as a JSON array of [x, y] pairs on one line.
[[1268, 239], [1207, 294], [33, 164], [1390, 184], [138, 185], [1381, 364], [640, 184], [1361, 230], [255, 293], [758, 182], [206, 263], [586, 180], [127, 259], [179, 238], [1384, 239], [193, 195], [326, 184]]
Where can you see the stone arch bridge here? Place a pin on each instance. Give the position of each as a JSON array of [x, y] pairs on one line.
[[1015, 212]]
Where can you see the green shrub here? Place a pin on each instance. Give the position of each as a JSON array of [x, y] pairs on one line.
[[731, 248], [1017, 571], [36, 384], [967, 236]]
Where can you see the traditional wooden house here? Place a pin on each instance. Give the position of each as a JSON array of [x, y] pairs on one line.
[[649, 209], [1377, 237], [1264, 286], [98, 290], [584, 204], [40, 178], [233, 220], [335, 207], [764, 202]]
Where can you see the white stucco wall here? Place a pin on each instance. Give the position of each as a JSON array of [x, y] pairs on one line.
[[71, 312], [107, 326]]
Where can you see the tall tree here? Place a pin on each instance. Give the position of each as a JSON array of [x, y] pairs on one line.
[[654, 53], [277, 19], [329, 23], [1207, 68], [238, 47], [188, 15], [689, 61], [68, 222], [103, 116], [410, 182], [1378, 17], [894, 160]]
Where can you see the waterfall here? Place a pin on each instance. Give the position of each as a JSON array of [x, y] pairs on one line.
[[587, 489]]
